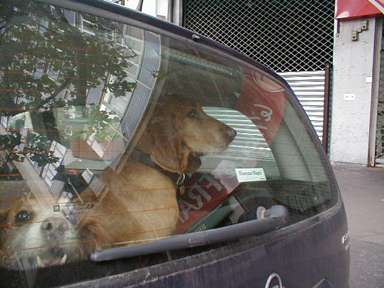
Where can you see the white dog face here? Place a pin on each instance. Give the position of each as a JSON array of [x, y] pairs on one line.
[[33, 235]]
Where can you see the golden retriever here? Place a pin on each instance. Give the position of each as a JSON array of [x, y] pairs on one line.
[[138, 204], [180, 132]]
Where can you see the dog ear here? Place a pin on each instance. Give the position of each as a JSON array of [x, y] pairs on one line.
[[167, 148]]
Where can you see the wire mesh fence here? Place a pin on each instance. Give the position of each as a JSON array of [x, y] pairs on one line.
[[286, 35]]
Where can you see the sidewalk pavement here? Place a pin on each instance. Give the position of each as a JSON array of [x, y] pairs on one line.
[[362, 190]]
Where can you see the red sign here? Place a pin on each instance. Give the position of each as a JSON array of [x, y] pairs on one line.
[[263, 101], [203, 194], [347, 9]]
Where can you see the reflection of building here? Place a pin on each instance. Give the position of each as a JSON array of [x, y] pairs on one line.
[[131, 39], [93, 135], [129, 108], [143, 66]]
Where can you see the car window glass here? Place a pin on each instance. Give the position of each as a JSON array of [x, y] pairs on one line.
[[114, 135]]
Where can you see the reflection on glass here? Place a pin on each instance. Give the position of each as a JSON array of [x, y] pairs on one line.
[[114, 135]]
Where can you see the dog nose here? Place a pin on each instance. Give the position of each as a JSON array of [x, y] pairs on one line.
[[47, 226], [54, 225], [230, 132]]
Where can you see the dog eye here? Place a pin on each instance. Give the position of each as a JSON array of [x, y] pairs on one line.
[[23, 216], [194, 114]]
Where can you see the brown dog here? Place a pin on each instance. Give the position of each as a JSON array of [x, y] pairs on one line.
[[33, 235], [138, 203], [180, 132]]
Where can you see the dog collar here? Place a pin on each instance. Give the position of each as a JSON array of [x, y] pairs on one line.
[[180, 183], [178, 178]]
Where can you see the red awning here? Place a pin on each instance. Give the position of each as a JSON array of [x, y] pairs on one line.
[[347, 9]]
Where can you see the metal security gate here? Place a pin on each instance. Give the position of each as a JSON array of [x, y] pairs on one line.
[[293, 37], [310, 88]]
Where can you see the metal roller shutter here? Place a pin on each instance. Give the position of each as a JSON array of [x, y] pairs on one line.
[[310, 89]]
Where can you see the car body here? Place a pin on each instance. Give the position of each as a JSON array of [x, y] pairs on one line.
[[92, 77]]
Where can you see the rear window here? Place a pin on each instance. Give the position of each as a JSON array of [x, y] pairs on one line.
[[113, 135]]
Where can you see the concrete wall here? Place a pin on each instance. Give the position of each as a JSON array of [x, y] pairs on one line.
[[352, 93]]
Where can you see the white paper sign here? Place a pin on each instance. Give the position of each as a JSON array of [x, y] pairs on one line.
[[250, 174]]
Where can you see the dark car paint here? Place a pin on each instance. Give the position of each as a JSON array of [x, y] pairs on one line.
[[311, 256], [308, 254]]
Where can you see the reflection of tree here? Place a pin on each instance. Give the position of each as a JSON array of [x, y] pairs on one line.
[[99, 124], [36, 148], [46, 62]]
